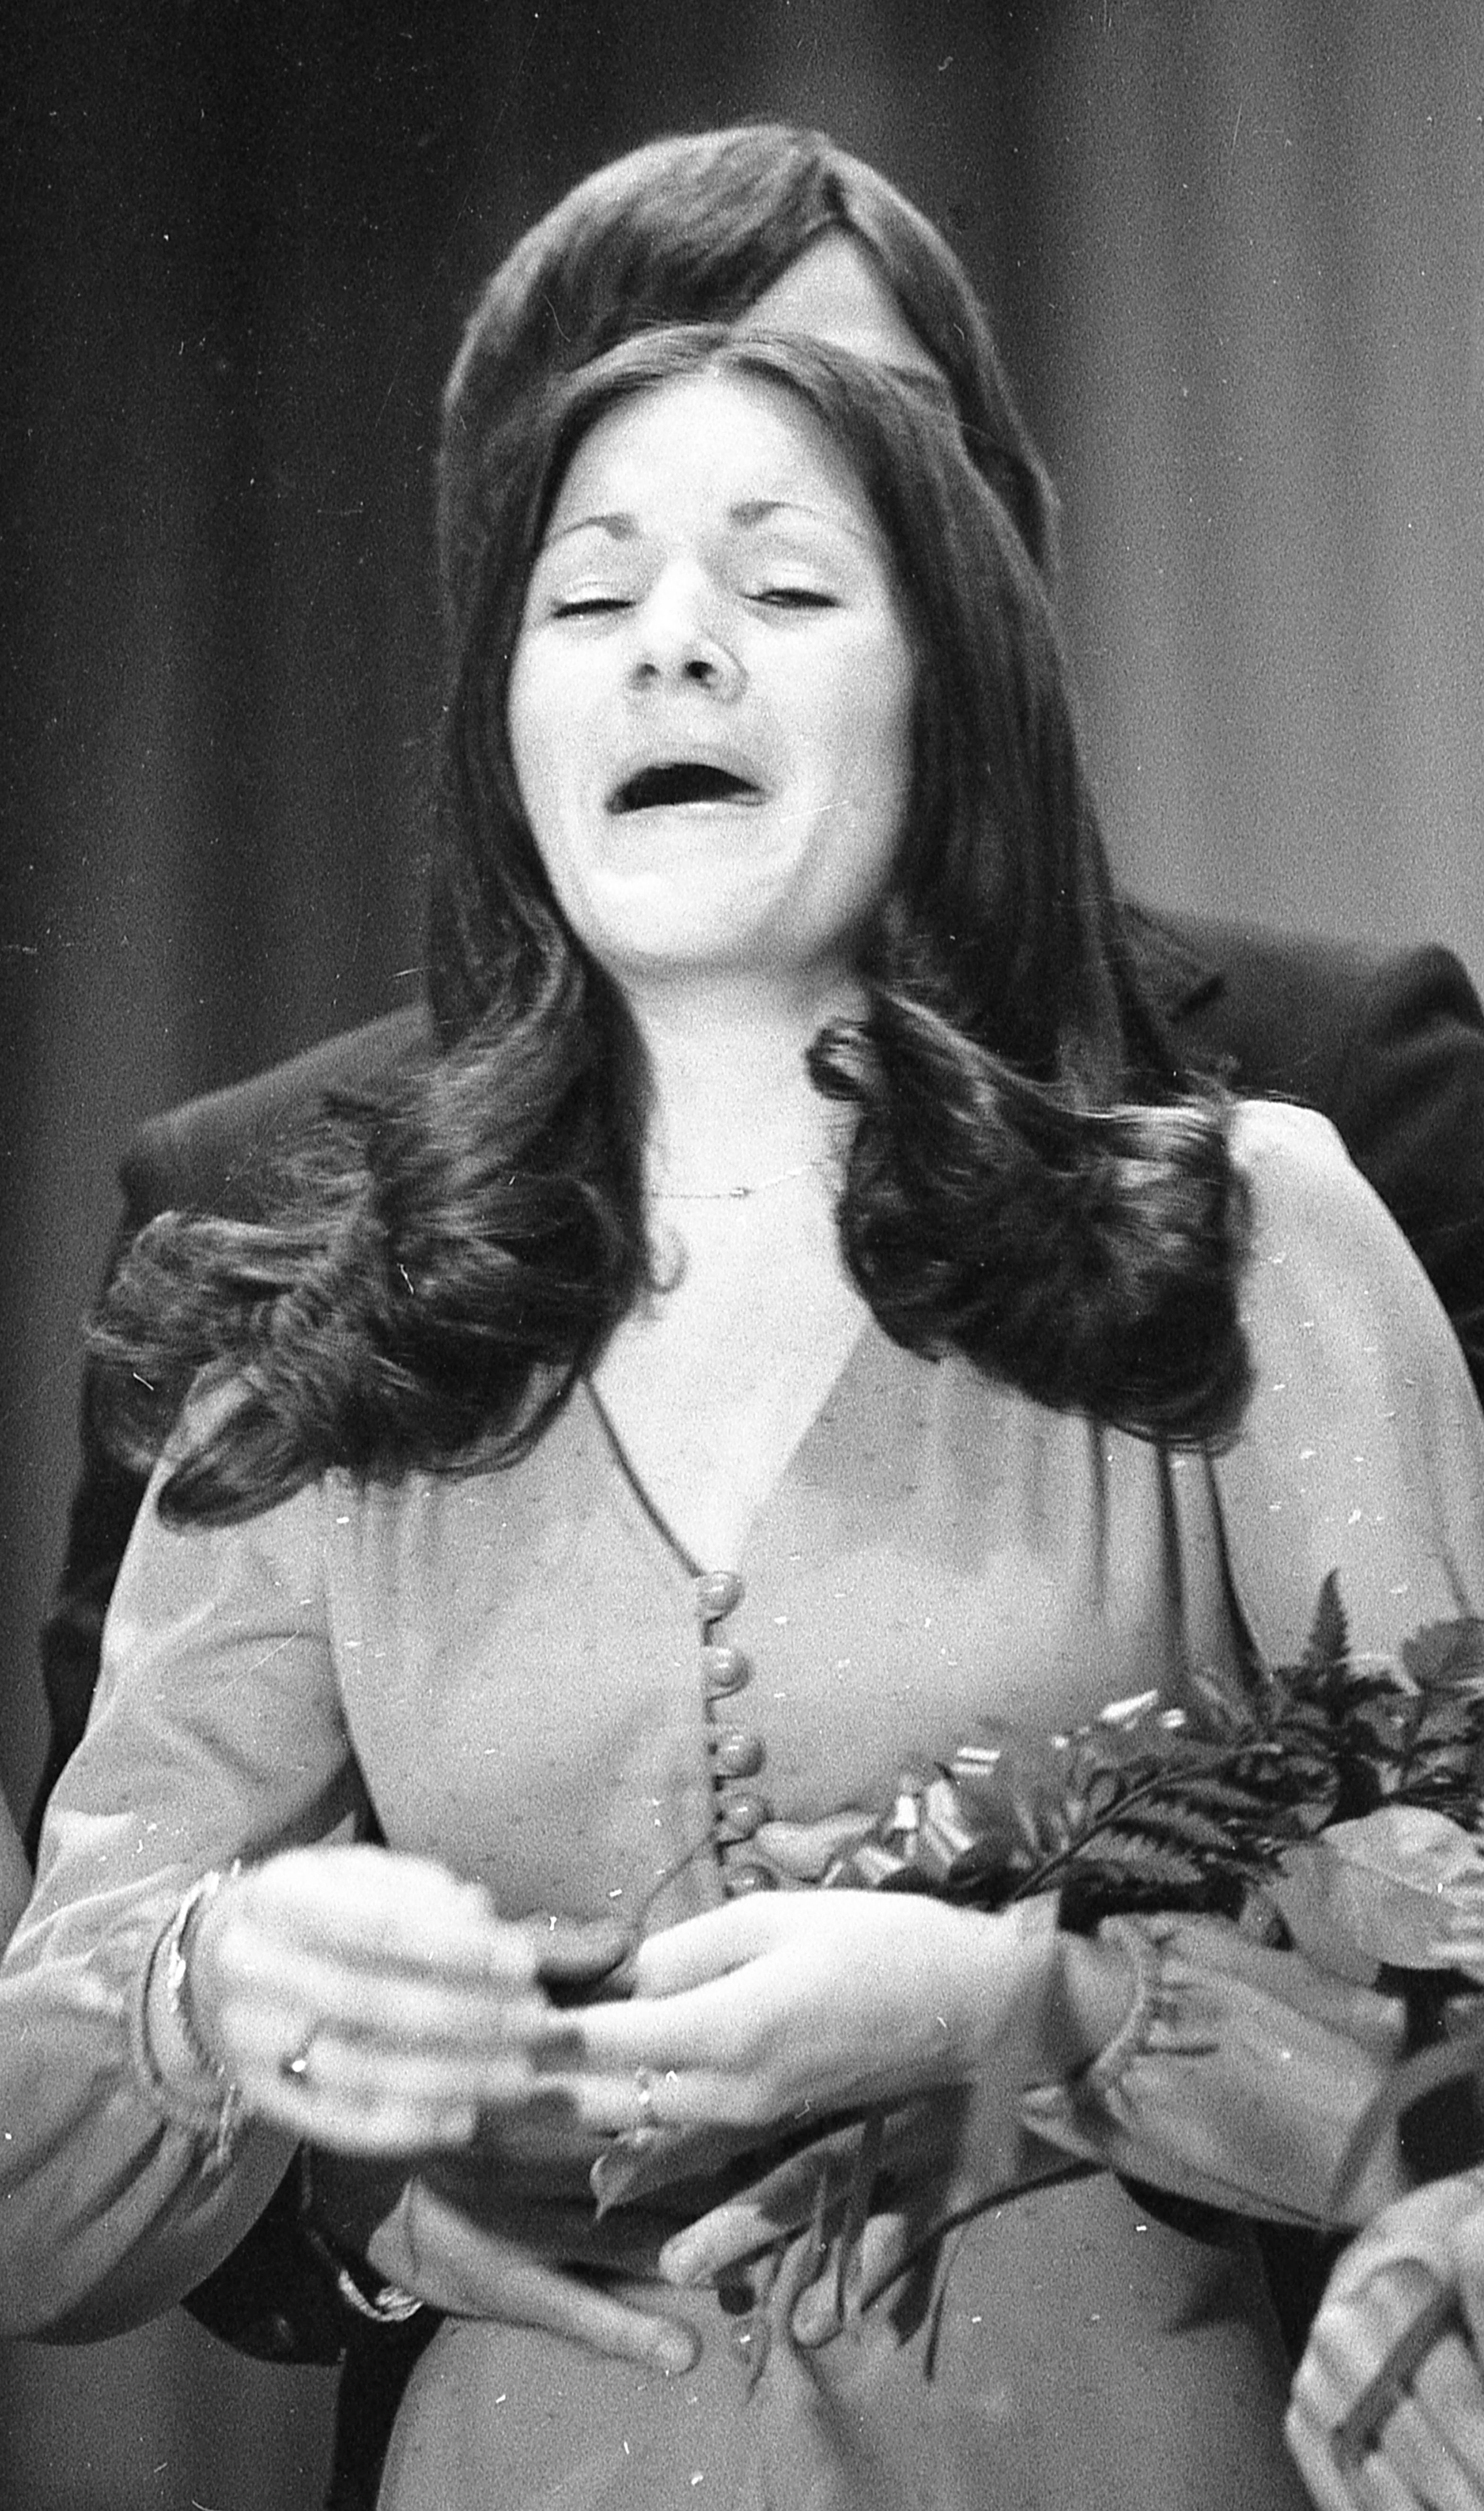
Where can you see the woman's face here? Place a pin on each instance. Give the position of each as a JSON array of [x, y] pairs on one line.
[[711, 699]]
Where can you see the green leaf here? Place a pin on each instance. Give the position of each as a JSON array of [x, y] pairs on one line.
[[1446, 1656], [1127, 1853], [1221, 1714], [1182, 1824], [1326, 1650]]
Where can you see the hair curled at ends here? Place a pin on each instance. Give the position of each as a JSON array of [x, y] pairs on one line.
[[441, 1265], [1098, 1274], [1026, 1184], [694, 229]]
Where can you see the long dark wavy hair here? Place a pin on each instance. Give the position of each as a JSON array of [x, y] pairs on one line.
[[1025, 1185]]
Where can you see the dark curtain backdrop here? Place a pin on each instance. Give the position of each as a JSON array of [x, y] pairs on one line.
[[1237, 254]]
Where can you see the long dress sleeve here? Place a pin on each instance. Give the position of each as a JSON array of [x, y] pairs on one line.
[[1242, 2072], [1362, 1452], [218, 1734]]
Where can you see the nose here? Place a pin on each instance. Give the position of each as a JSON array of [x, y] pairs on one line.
[[680, 637]]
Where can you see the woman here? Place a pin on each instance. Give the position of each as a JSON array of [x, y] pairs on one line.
[[558, 1381], [759, 225]]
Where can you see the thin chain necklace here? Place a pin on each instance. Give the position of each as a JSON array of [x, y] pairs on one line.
[[735, 1193]]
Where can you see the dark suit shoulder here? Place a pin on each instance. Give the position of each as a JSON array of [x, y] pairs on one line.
[[1388, 1044], [213, 1153], [1284, 1013]]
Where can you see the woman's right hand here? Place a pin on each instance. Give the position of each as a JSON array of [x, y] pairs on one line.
[[361, 1998]]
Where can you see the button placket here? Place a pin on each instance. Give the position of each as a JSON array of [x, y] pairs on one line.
[[737, 1753]]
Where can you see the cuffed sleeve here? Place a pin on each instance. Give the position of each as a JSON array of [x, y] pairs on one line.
[[217, 1735], [1238, 2076]]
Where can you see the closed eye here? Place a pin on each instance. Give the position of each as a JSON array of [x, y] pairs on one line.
[[589, 605], [795, 596]]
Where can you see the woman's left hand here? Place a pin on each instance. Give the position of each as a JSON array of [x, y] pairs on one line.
[[783, 2006], [1388, 2409]]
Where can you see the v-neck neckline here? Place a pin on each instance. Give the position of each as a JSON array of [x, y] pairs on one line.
[[676, 1551]]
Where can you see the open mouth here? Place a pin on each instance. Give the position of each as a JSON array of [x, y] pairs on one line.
[[678, 782]]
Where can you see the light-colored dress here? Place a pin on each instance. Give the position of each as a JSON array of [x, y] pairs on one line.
[[522, 1675]]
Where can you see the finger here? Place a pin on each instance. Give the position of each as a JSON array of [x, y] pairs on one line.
[[380, 1906], [804, 1850], [886, 2244], [557, 2232], [269, 2019], [782, 2201], [1354, 2376], [363, 2099], [375, 2130], [1371, 2350], [1450, 2393], [289, 2080], [1310, 2436], [481, 2273], [705, 1947], [356, 2070], [566, 2305], [1419, 2456], [641, 2102], [713, 2027], [253, 1957], [368, 2131], [1466, 2253], [576, 1952], [1372, 2487]]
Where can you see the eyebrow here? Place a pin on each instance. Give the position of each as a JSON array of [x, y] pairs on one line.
[[746, 514]]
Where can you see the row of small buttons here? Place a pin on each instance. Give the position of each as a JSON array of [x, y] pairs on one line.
[[735, 1752]]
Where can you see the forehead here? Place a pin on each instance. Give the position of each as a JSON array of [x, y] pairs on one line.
[[703, 446]]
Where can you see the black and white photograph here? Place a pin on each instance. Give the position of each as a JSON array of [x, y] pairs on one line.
[[742, 1245]]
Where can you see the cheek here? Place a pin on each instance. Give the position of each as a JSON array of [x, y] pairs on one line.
[[525, 717], [877, 739], [884, 786], [539, 728]]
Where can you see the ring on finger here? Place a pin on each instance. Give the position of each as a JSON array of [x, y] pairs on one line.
[[295, 2069]]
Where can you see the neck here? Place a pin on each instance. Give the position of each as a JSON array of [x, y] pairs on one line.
[[733, 1106]]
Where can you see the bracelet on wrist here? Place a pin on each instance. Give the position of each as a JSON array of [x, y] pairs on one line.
[[175, 1949], [208, 2100]]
